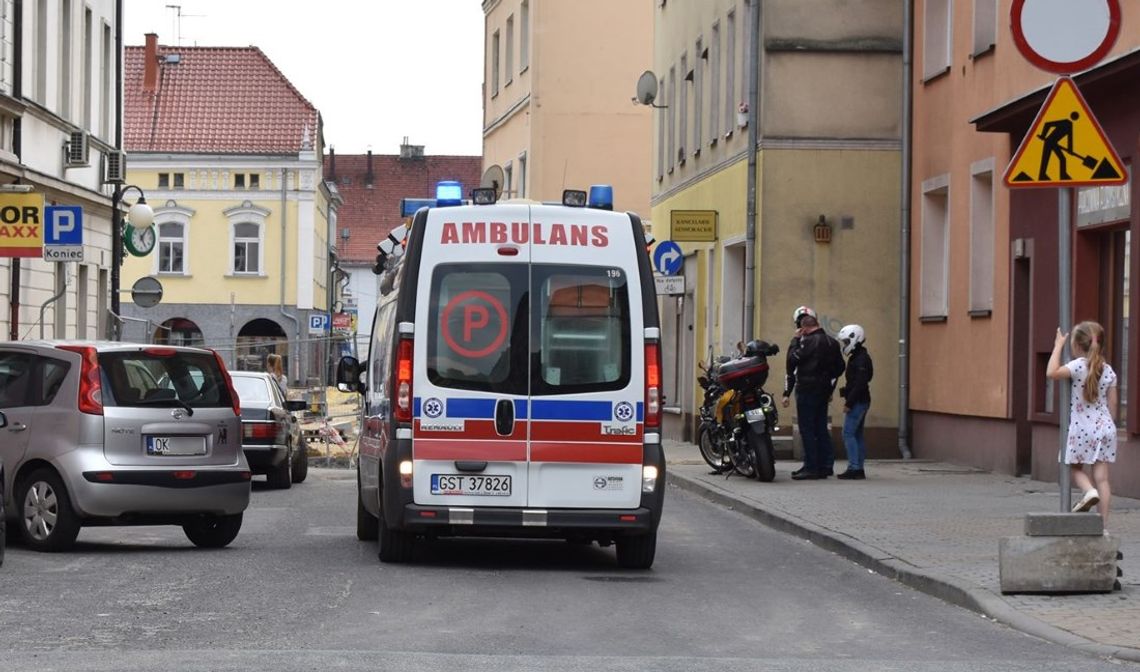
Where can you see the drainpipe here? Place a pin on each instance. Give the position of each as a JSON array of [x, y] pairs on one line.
[[293, 363], [904, 241], [753, 140]]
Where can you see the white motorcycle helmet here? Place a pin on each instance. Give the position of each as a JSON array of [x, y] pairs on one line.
[[801, 312], [850, 336]]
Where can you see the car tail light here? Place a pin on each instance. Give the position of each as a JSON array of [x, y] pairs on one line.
[[403, 383], [90, 383], [160, 352], [652, 385], [235, 401], [261, 430]]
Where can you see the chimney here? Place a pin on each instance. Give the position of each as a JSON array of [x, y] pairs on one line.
[[368, 177], [411, 151], [332, 163], [150, 63]]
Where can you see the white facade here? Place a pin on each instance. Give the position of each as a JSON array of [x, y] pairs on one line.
[[62, 79]]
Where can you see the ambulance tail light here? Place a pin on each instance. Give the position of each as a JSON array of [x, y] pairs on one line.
[[652, 385], [403, 383], [90, 380]]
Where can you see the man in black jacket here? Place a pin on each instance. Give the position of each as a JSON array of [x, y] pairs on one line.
[[856, 394], [814, 364]]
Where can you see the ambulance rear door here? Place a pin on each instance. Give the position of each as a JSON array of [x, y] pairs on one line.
[[587, 361], [471, 369]]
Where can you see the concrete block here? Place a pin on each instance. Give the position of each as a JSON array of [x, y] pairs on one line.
[[1056, 524], [1082, 564]]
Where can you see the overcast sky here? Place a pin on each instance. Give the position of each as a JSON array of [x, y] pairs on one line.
[[377, 70]]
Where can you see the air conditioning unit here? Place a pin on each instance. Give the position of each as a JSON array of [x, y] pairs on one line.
[[77, 150], [114, 167]]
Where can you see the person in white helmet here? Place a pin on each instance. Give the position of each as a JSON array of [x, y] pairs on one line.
[[814, 364], [856, 393]]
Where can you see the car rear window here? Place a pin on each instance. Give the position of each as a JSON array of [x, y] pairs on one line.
[[163, 378], [251, 389], [484, 338]]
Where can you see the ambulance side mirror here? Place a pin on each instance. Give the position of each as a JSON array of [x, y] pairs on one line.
[[348, 375]]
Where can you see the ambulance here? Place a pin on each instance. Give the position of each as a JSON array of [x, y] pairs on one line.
[[512, 386]]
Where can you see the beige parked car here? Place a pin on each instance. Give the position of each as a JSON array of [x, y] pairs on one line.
[[120, 434]]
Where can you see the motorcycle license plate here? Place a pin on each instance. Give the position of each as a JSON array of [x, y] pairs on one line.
[[754, 415]]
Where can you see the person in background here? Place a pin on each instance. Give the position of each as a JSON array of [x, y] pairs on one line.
[[856, 394], [274, 365], [814, 364], [1092, 427]]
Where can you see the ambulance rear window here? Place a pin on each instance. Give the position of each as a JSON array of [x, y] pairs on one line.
[[582, 329]]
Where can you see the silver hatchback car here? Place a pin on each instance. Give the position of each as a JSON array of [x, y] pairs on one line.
[[103, 433]]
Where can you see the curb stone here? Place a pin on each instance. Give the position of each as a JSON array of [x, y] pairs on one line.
[[958, 593]]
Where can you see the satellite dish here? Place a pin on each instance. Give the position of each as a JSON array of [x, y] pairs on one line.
[[493, 179], [647, 88]]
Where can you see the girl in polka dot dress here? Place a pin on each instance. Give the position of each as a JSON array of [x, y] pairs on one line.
[[1092, 428]]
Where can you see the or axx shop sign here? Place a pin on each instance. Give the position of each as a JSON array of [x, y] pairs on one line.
[[21, 225]]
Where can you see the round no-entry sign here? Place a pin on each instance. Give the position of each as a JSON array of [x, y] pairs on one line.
[[1065, 36]]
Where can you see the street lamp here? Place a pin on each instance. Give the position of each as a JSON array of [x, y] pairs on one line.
[[140, 215]]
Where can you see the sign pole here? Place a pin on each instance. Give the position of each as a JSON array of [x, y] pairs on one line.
[[14, 302], [1064, 273]]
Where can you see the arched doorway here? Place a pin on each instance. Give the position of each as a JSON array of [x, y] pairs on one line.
[[179, 331], [256, 340]]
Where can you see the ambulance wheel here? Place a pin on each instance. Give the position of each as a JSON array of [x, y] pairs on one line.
[[395, 546], [367, 525], [637, 551]]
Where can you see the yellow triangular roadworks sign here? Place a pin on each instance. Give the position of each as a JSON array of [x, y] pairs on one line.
[[1065, 146]]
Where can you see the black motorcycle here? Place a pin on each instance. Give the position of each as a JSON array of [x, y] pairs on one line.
[[746, 414]]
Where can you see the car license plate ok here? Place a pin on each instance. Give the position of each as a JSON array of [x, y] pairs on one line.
[[462, 484], [175, 445]]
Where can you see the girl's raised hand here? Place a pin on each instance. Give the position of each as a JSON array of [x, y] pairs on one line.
[[1059, 341]]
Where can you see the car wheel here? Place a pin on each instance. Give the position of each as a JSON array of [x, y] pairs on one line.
[[280, 477], [213, 531], [637, 551], [300, 466], [47, 520]]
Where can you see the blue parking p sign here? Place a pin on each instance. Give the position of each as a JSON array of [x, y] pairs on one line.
[[319, 323], [63, 233]]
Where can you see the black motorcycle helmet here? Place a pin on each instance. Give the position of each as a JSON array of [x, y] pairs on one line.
[[760, 349]]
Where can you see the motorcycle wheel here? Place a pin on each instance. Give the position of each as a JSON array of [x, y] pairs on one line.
[[711, 451], [764, 456], [743, 459]]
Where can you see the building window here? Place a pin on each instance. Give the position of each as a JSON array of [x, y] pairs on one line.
[[730, 74], [179, 180], [41, 52], [510, 71], [65, 59], [247, 248], [164, 180], [495, 64], [661, 122], [522, 175], [239, 180], [982, 237], [107, 113], [683, 130], [936, 26], [171, 248], [698, 98], [985, 25], [524, 36], [672, 118], [935, 247], [714, 85], [88, 64], [254, 181], [508, 171]]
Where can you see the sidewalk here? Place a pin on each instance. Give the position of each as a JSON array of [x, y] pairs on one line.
[[935, 527]]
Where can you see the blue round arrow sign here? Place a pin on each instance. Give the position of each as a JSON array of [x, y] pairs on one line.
[[668, 258]]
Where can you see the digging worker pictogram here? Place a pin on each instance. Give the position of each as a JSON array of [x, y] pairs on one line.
[[1053, 133]]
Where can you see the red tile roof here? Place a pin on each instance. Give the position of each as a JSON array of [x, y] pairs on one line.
[[370, 213], [218, 100]]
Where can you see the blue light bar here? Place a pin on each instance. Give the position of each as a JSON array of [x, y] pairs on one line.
[[409, 206], [448, 192], [601, 197]]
